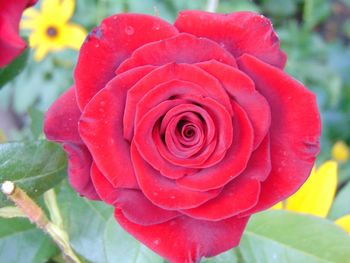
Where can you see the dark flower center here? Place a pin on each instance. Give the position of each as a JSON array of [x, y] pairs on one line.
[[52, 31]]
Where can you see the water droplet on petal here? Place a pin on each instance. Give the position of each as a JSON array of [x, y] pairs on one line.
[[129, 30]]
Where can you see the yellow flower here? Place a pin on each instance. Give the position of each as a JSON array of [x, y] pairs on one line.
[[50, 29], [316, 196], [3, 137], [344, 222], [340, 151]]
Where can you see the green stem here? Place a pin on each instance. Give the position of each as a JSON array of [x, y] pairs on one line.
[[37, 216], [212, 5], [51, 203]]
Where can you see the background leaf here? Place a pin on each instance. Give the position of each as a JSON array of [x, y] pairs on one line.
[[21, 242], [284, 237], [85, 222], [341, 205], [35, 166], [120, 245], [13, 69], [91, 224]]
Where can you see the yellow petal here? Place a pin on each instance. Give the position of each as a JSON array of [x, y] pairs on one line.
[[58, 10], [29, 24], [340, 151], [3, 137], [344, 222], [40, 52], [316, 195], [31, 13], [73, 36], [278, 206]]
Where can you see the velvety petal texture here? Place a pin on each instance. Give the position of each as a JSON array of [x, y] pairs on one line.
[[185, 129], [11, 44], [239, 33]]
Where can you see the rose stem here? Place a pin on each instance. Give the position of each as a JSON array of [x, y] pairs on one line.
[[37, 216]]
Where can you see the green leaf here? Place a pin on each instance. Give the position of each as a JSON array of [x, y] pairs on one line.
[[12, 70], [315, 11], [36, 122], [120, 245], [284, 237], [227, 257], [341, 204], [91, 224], [237, 5], [85, 223], [21, 242], [280, 8], [34, 166]]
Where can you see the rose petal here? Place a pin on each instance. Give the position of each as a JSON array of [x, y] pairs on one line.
[[294, 133], [110, 44], [135, 206], [79, 165], [11, 44], [164, 192], [183, 48], [239, 195], [173, 89], [259, 165], [239, 33], [186, 240], [147, 146], [61, 120], [100, 127], [242, 89], [170, 152], [214, 114], [167, 73], [234, 162], [104, 188]]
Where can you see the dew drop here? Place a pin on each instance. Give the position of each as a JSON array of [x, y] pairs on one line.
[[156, 242], [156, 26], [129, 30]]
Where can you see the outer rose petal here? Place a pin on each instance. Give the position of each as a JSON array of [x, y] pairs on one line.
[[101, 127], [183, 48], [239, 33], [239, 195], [110, 44], [79, 164], [11, 45], [61, 120], [135, 206], [185, 240], [295, 130]]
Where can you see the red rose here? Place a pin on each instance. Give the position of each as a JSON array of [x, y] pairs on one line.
[[11, 44], [187, 129]]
